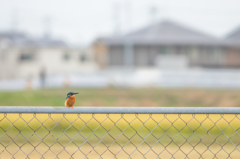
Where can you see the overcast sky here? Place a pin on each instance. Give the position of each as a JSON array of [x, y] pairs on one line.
[[81, 21]]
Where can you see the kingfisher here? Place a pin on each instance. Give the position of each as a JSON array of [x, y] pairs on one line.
[[70, 100]]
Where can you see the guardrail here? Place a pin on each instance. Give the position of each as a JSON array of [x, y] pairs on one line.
[[119, 132]]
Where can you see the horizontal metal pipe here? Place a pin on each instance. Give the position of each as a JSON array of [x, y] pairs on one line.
[[121, 110]]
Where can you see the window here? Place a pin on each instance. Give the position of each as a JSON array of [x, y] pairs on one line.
[[178, 50], [83, 58], [66, 56], [163, 50], [193, 52], [26, 57], [214, 51]]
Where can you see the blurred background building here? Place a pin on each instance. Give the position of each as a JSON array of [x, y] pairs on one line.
[[25, 57], [168, 45], [122, 43]]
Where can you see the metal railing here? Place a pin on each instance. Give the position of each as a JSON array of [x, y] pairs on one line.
[[117, 132]]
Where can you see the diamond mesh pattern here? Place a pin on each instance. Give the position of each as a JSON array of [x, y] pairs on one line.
[[119, 136]]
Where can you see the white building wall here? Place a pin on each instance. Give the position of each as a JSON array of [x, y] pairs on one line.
[[51, 59], [9, 64]]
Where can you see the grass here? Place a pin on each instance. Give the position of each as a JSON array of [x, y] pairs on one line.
[[124, 97], [211, 136]]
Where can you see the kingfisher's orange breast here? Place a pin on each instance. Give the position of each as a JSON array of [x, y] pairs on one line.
[[70, 101]]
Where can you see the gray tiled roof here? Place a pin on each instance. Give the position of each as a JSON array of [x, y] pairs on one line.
[[166, 32], [233, 38], [21, 39]]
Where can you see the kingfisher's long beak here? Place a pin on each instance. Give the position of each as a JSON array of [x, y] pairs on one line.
[[75, 93]]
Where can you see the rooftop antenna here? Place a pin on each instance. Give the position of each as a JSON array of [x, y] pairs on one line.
[[14, 21], [153, 10], [47, 26], [116, 19], [128, 43]]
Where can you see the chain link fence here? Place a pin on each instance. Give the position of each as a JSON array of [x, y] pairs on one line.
[[46, 132]]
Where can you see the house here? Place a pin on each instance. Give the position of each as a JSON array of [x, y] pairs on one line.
[[232, 49], [25, 57], [168, 45]]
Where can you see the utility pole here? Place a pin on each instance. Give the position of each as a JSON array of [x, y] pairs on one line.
[[117, 19], [128, 42]]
